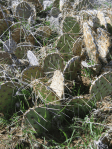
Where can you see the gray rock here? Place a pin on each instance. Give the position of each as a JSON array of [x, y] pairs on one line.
[[32, 58]]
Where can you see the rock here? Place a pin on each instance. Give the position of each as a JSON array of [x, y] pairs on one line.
[[47, 4], [32, 58], [102, 19], [61, 4], [104, 43], [90, 43], [57, 83]]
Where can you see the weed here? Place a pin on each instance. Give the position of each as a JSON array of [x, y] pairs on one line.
[[47, 23]]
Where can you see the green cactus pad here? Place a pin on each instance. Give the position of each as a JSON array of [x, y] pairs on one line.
[[23, 10], [5, 58], [45, 93], [3, 25], [71, 68], [102, 86], [70, 25], [37, 119], [82, 4], [65, 45], [6, 91], [41, 118], [22, 48], [31, 73], [52, 62], [17, 35], [77, 47], [79, 104]]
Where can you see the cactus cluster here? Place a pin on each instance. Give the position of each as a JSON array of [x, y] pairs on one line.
[[49, 80]]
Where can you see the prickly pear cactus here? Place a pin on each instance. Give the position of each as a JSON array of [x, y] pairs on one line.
[[101, 87], [17, 35], [70, 25], [31, 73], [106, 68], [45, 93], [9, 46], [6, 95], [81, 4], [77, 47], [71, 68], [36, 3], [54, 12], [5, 58], [22, 48], [65, 45], [22, 10], [43, 31], [79, 104], [3, 25], [52, 62], [41, 118], [38, 119]]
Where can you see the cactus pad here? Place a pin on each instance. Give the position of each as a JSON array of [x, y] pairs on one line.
[[82, 4], [5, 58], [22, 48], [71, 68], [54, 12], [32, 73], [17, 35], [23, 10], [41, 118], [45, 93], [52, 62], [65, 45], [79, 104], [70, 25], [102, 86], [3, 25], [77, 47], [6, 92]]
